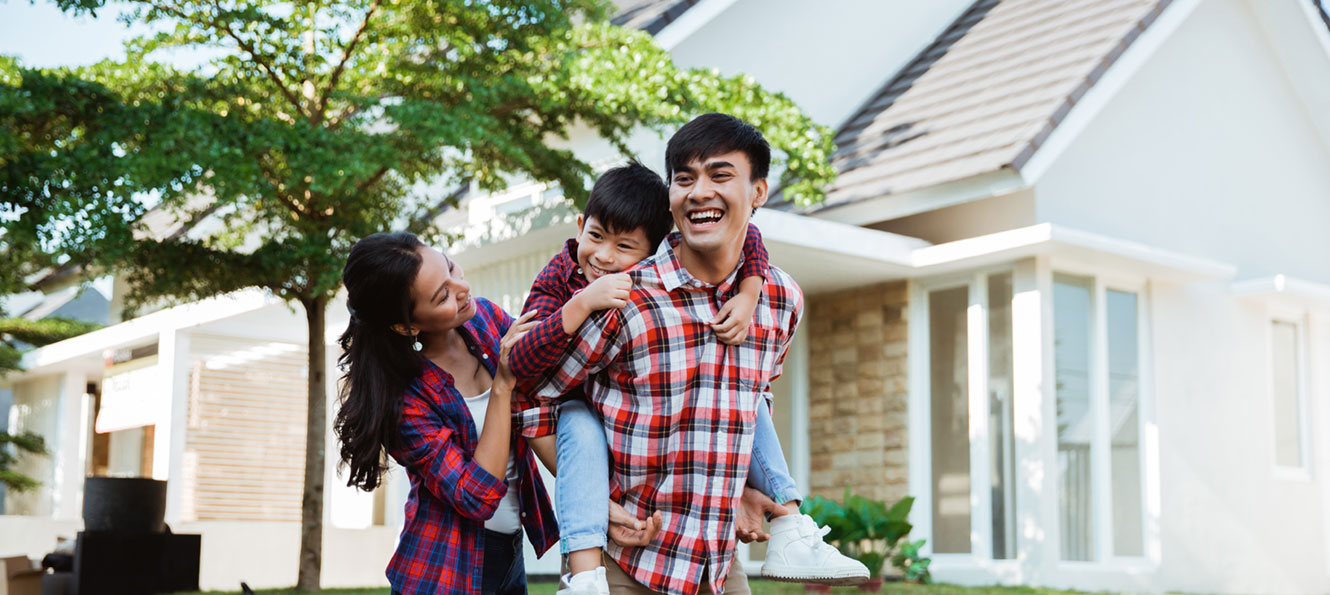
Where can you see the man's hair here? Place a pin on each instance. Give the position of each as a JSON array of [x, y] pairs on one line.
[[629, 197], [714, 134]]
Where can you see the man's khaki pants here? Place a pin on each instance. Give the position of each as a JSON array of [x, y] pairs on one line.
[[620, 583]]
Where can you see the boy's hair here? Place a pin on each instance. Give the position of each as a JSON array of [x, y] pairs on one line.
[[632, 196], [714, 134]]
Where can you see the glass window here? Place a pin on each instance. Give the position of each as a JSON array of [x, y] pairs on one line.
[[1124, 430], [1287, 390], [950, 423], [1001, 448], [1075, 423]]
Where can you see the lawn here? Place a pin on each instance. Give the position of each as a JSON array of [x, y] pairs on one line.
[[759, 588]]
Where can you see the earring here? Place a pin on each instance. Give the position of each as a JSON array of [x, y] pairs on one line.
[[416, 343]]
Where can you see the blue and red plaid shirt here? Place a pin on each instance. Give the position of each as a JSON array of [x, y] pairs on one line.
[[679, 409], [442, 546], [539, 350]]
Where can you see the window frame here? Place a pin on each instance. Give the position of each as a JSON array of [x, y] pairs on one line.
[[1102, 280], [1298, 317]]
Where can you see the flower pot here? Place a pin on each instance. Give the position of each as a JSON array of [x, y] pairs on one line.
[[816, 588], [873, 585]]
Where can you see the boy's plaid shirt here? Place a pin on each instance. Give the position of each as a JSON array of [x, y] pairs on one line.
[[442, 546], [679, 408], [542, 346]]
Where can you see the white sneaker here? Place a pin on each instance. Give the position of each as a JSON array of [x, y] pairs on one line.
[[796, 553], [590, 582]]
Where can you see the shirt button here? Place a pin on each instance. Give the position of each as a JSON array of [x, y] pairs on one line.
[[485, 355]]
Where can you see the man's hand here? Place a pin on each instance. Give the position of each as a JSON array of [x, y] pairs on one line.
[[610, 291], [752, 506], [627, 530], [732, 321]]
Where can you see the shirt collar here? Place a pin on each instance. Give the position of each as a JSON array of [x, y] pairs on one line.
[[571, 269], [673, 275]]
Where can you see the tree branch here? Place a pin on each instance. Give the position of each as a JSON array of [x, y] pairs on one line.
[[346, 57], [245, 46], [378, 175]]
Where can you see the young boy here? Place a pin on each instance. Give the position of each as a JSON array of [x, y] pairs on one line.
[[626, 218]]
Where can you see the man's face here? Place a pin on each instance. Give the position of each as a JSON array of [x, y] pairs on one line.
[[712, 199]]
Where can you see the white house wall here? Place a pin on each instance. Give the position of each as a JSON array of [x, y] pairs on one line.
[[1230, 522], [1206, 151], [36, 409]]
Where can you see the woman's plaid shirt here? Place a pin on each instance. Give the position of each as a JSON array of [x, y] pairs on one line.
[[679, 408], [442, 546]]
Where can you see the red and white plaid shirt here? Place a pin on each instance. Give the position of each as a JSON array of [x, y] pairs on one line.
[[679, 408]]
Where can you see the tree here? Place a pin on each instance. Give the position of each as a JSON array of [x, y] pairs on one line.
[[311, 127]]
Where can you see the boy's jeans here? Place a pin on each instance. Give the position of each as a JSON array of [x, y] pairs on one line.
[[583, 491]]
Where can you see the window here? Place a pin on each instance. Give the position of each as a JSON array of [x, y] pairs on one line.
[[949, 412], [970, 409], [1286, 368], [1097, 354]]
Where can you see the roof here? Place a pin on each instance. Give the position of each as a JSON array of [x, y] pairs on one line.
[[649, 15], [985, 95]]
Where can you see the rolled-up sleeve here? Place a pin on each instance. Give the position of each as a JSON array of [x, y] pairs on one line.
[[428, 450]]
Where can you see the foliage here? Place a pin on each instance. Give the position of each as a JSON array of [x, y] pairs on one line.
[[317, 123], [868, 531], [26, 442], [911, 564]]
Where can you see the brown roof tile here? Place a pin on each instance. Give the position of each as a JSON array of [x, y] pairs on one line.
[[649, 15], [985, 94]]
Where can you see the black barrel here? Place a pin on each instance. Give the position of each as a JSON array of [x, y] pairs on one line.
[[124, 504]]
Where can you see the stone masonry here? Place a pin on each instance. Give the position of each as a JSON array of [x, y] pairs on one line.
[[858, 392]]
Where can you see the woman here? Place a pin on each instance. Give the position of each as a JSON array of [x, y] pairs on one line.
[[427, 382]]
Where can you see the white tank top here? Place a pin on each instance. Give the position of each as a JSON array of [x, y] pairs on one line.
[[505, 519]]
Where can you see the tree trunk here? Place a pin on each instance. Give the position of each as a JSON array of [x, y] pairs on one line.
[[311, 508]]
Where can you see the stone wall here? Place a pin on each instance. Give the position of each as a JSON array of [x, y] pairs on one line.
[[858, 392]]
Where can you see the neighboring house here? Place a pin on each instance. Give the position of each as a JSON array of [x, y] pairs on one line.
[[1069, 292]]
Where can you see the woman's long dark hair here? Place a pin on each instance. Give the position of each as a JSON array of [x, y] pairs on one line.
[[379, 362]]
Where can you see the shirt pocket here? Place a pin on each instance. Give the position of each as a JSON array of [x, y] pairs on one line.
[[756, 357]]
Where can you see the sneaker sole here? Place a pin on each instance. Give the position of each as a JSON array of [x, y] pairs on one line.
[[816, 576]]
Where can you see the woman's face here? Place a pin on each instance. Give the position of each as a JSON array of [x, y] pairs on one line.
[[441, 295]]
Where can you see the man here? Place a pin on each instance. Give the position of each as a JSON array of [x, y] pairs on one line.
[[678, 405]]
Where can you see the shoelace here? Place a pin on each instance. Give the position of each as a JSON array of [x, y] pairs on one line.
[[811, 534]]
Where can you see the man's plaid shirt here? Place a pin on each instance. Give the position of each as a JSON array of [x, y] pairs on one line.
[[679, 408], [442, 546], [542, 346]]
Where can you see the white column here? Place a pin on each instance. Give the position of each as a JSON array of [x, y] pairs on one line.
[[1034, 426], [168, 460], [796, 365], [68, 449]]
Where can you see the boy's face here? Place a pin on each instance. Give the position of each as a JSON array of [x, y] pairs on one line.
[[712, 199], [601, 252]]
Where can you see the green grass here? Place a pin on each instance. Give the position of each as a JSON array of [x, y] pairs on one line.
[[760, 587]]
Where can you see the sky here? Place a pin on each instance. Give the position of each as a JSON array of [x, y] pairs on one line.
[[42, 36]]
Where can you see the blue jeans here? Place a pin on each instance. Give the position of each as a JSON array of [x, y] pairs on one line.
[[582, 491], [504, 572]]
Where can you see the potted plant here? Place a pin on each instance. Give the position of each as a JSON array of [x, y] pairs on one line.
[[868, 531]]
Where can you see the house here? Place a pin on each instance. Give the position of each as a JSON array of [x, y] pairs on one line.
[[1068, 292]]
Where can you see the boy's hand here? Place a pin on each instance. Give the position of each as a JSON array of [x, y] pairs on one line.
[[731, 323], [610, 291]]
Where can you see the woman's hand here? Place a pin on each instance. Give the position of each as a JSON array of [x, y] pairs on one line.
[[505, 377]]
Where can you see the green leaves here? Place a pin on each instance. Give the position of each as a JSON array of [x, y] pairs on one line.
[[26, 442]]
